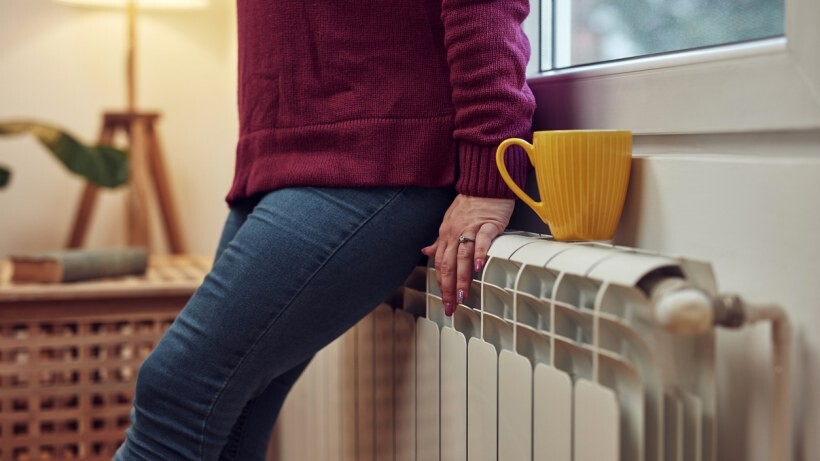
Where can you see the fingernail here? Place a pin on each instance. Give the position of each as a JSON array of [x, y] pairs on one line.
[[460, 297], [479, 264], [448, 309]]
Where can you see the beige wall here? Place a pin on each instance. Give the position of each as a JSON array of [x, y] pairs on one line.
[[65, 65], [747, 204]]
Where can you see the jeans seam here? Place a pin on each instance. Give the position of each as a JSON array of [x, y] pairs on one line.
[[233, 448], [283, 310]]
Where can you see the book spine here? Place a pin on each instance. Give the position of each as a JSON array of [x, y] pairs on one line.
[[92, 264]]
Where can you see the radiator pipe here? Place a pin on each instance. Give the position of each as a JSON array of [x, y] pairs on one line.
[[781, 332], [683, 309]]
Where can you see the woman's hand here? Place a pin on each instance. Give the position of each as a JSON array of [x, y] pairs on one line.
[[478, 220]]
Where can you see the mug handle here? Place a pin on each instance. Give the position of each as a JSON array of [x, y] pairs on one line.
[[502, 168]]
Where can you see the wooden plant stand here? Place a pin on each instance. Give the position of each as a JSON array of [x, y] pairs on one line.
[[148, 183]]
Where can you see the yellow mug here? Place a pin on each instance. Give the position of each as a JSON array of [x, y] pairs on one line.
[[582, 178]]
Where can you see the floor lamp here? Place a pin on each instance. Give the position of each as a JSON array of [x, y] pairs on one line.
[[148, 172]]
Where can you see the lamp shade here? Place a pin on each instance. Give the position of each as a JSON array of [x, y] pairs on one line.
[[142, 4]]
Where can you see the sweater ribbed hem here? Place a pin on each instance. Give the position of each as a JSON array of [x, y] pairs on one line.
[[377, 152], [479, 172]]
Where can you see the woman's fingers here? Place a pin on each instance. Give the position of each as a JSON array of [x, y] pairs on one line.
[[464, 266], [471, 256], [438, 259], [430, 251], [446, 272], [454, 269], [483, 239], [477, 221]]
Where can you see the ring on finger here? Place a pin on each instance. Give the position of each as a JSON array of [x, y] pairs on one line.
[[465, 239]]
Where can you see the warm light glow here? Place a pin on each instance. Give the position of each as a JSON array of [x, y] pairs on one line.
[[146, 4]]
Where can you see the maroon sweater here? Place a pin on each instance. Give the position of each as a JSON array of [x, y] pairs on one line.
[[358, 93]]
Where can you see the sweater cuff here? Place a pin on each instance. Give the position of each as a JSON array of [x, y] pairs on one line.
[[479, 173]]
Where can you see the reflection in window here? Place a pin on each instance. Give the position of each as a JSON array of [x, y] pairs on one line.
[[577, 32]]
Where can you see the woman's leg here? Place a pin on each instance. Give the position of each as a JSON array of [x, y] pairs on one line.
[[305, 266], [236, 217], [251, 434]]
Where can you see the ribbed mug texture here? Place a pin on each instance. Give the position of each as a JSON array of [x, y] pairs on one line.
[[582, 180]]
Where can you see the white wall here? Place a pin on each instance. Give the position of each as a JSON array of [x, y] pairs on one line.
[[65, 65], [748, 204]]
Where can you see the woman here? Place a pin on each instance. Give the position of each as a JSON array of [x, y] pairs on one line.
[[357, 118]]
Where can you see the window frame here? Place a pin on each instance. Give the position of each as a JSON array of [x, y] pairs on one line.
[[765, 85]]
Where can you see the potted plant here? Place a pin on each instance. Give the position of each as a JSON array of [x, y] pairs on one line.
[[103, 166]]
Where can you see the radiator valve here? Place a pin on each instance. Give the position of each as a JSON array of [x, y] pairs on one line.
[[681, 308]]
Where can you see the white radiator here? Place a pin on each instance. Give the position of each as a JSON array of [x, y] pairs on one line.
[[556, 355]]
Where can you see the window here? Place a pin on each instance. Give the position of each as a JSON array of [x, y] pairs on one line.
[[676, 66], [577, 32]]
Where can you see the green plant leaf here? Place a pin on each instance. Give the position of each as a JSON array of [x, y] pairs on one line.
[[101, 165], [4, 177]]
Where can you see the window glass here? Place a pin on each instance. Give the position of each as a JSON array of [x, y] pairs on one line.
[[577, 32]]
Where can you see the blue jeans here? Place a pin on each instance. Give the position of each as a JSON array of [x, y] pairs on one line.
[[295, 269]]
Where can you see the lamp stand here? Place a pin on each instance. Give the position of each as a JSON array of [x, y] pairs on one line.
[[131, 57], [148, 172]]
